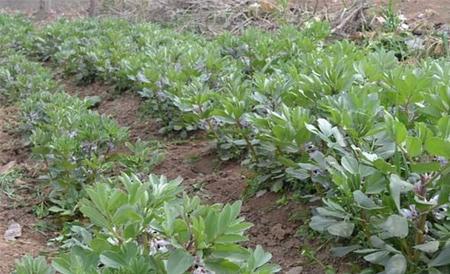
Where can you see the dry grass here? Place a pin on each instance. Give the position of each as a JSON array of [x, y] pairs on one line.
[[216, 16]]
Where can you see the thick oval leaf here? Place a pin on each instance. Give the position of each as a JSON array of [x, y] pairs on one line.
[[395, 226], [400, 132], [429, 247], [126, 214], [438, 147], [342, 251], [341, 229], [442, 259], [413, 146], [222, 266], [350, 164], [397, 187], [319, 223], [112, 259], [261, 257], [375, 241], [179, 262], [379, 257], [384, 166], [363, 201], [396, 265], [425, 167], [325, 127]]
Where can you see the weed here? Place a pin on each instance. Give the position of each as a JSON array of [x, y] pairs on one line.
[[8, 183]]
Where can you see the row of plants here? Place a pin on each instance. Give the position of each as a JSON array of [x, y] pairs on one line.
[[184, 77], [123, 219], [354, 126]]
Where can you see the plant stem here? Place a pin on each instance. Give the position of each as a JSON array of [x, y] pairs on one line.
[[208, 121], [407, 250], [421, 222], [247, 141]]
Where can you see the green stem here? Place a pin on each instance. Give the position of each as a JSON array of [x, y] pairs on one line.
[[247, 141], [407, 250], [208, 121], [421, 222]]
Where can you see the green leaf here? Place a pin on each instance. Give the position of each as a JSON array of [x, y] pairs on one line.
[[30, 265], [341, 229], [395, 226], [397, 187], [442, 259], [425, 167], [112, 259], [325, 127], [384, 166], [413, 146], [396, 265], [319, 223], [437, 146], [222, 266], [429, 247], [350, 164], [62, 265], [331, 212], [434, 271], [126, 214], [363, 201], [93, 214], [342, 251], [379, 257], [234, 238], [375, 241], [93, 101], [261, 257], [229, 251], [179, 262], [400, 132], [445, 189]]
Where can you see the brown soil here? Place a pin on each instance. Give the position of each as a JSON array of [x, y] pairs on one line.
[[18, 207], [438, 10]]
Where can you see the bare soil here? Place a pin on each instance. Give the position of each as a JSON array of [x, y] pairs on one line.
[[438, 10], [18, 207]]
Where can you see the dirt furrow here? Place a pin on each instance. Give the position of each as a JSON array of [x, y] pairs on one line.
[[18, 195]]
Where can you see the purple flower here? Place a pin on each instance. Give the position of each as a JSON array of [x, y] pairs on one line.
[[310, 148], [440, 213], [410, 213], [72, 134], [89, 147], [442, 161], [316, 172], [161, 95], [244, 123], [178, 67], [159, 246], [418, 188], [200, 267]]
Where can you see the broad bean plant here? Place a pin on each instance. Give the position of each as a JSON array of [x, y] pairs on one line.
[[363, 130]]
